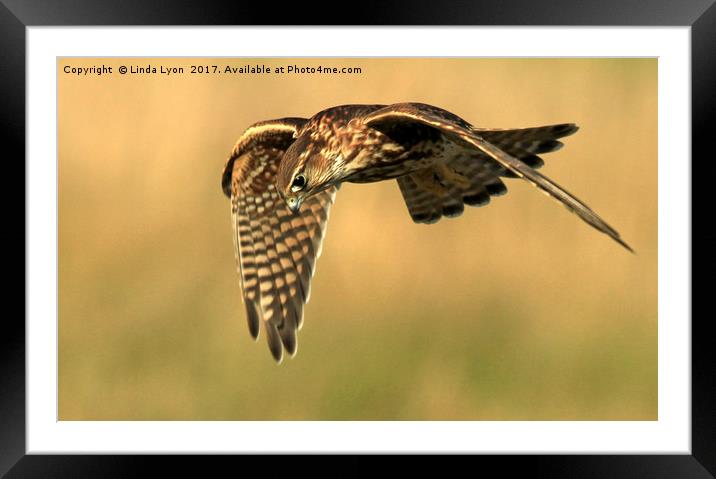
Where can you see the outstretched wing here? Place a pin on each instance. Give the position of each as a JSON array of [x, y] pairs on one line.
[[462, 132], [276, 250], [475, 175]]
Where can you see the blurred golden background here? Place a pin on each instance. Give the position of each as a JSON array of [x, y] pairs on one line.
[[514, 311]]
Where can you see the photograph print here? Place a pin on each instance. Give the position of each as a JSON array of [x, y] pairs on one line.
[[357, 239]]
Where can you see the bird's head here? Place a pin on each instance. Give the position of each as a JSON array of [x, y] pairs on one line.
[[307, 167]]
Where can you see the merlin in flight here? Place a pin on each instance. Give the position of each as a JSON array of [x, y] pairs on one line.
[[282, 177]]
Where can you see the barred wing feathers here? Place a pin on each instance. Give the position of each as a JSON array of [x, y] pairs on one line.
[[482, 173], [276, 250]]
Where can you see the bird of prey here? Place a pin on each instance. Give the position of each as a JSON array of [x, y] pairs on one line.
[[282, 177]]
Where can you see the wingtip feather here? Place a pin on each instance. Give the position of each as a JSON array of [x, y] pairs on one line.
[[624, 244], [253, 319]]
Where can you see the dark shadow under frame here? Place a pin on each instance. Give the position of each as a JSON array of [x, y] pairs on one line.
[[15, 15]]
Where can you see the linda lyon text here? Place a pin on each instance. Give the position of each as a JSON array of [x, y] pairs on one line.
[[162, 69]]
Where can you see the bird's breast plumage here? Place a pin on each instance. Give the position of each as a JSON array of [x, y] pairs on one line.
[[393, 162]]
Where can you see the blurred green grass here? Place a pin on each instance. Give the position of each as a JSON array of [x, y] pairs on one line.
[[516, 311]]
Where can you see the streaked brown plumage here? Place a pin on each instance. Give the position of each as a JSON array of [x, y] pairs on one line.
[[282, 177]]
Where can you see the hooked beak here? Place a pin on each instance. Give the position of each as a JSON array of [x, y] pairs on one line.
[[293, 204]]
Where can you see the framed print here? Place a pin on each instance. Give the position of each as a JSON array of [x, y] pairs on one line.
[[517, 328]]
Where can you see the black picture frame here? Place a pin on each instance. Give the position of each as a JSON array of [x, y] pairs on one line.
[[700, 15]]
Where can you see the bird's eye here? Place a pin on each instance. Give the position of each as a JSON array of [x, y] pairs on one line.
[[299, 182]]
